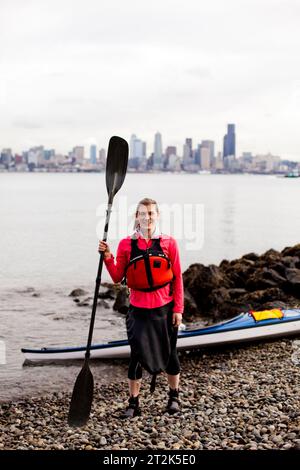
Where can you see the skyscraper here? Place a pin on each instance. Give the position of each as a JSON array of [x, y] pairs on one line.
[[137, 154], [157, 160], [137, 147], [78, 153], [36, 156], [93, 154], [189, 143], [205, 162], [229, 145], [170, 151], [6, 157], [211, 146], [48, 154], [132, 146], [102, 158], [201, 157], [188, 157]]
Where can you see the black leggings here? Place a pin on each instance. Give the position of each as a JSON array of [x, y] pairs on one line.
[[135, 370]]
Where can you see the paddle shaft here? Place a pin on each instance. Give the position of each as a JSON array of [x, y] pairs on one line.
[[82, 396], [98, 278]]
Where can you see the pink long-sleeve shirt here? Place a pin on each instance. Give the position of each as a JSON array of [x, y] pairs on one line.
[[117, 267]]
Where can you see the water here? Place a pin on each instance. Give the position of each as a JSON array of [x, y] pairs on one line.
[[48, 243]]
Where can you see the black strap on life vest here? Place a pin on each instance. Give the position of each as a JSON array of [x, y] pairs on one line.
[[155, 248], [148, 269], [136, 251]]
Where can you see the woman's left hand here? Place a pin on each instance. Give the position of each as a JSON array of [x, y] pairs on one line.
[[177, 319]]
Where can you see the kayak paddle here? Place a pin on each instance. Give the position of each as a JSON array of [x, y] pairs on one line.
[[82, 397]]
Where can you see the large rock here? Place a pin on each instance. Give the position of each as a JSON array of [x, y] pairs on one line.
[[220, 304], [201, 280], [252, 282], [293, 277], [122, 300], [271, 255], [251, 256], [190, 307], [236, 293], [108, 294], [291, 261], [224, 305], [279, 267], [77, 292], [264, 278], [292, 251], [255, 299], [238, 272]]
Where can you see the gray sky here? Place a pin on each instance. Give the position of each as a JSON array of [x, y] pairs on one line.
[[75, 72]]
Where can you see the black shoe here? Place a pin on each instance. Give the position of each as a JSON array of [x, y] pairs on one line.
[[173, 405], [133, 408]]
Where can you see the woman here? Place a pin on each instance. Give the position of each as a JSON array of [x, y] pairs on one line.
[[150, 261]]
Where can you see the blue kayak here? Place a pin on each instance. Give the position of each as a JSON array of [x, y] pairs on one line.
[[252, 326]]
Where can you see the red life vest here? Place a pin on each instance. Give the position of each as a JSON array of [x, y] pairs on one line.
[[149, 269]]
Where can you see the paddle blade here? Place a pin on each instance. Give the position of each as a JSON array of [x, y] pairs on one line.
[[82, 397], [116, 164]]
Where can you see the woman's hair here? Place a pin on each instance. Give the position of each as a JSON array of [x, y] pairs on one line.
[[147, 201]]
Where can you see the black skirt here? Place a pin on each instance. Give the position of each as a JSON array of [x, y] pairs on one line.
[[152, 338]]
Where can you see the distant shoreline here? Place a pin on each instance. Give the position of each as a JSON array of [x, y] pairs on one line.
[[153, 172]]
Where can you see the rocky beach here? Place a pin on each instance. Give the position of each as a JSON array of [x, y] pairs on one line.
[[233, 397]]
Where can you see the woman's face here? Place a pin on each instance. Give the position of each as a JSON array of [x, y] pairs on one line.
[[147, 217]]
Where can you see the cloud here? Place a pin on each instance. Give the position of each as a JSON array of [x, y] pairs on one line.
[[26, 124], [185, 69], [200, 72]]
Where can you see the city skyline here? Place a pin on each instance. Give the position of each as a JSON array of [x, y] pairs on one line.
[[95, 69], [139, 148], [194, 157]]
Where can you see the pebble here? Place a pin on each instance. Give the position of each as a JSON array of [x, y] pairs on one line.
[[103, 441], [287, 446], [176, 446], [277, 439], [232, 398]]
